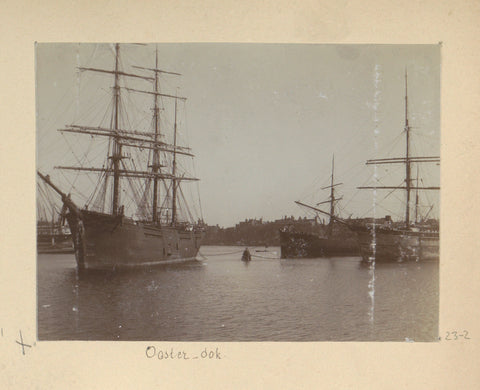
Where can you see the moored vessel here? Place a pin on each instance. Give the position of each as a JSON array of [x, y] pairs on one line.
[[409, 240], [397, 244], [331, 240], [141, 172]]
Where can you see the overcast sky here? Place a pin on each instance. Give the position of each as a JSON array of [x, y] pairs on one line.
[[265, 119]]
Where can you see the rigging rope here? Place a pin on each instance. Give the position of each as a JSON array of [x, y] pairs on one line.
[[99, 203], [221, 254], [265, 257], [205, 256]]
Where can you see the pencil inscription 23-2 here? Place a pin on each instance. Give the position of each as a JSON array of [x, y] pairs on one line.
[[456, 335]]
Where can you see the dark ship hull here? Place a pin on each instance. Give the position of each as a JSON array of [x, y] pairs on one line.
[[103, 241], [395, 245], [308, 245]]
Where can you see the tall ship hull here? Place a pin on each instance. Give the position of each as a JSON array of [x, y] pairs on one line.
[[308, 245], [396, 245], [103, 241]]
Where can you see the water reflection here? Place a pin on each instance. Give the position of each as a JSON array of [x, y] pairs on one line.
[[225, 299]]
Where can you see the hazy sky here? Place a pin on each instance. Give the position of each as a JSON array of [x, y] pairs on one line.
[[265, 119]]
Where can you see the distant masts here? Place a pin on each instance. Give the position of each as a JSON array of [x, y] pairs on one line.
[[332, 198], [416, 200], [331, 201]]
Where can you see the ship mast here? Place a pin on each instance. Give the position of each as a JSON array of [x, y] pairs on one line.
[[332, 196], [174, 150], [117, 146], [332, 199], [174, 168], [416, 200], [156, 156], [407, 157], [407, 160]]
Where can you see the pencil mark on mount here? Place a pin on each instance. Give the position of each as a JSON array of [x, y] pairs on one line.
[[22, 344]]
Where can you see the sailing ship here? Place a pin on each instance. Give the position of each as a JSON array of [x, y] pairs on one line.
[[104, 236], [335, 240], [409, 240]]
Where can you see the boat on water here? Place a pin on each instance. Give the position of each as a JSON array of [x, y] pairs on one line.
[[333, 239], [141, 171], [408, 240], [246, 256]]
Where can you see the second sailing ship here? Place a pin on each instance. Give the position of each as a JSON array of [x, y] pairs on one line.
[[334, 239]]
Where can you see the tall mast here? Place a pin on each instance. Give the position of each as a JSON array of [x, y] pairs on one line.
[[136, 139], [53, 219], [174, 168], [407, 160], [416, 200], [407, 156], [156, 157], [332, 199], [156, 166], [117, 147]]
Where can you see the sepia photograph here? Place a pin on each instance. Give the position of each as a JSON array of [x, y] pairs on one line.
[[239, 195], [229, 192]]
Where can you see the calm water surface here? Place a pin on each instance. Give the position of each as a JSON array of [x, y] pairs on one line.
[[220, 298]]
